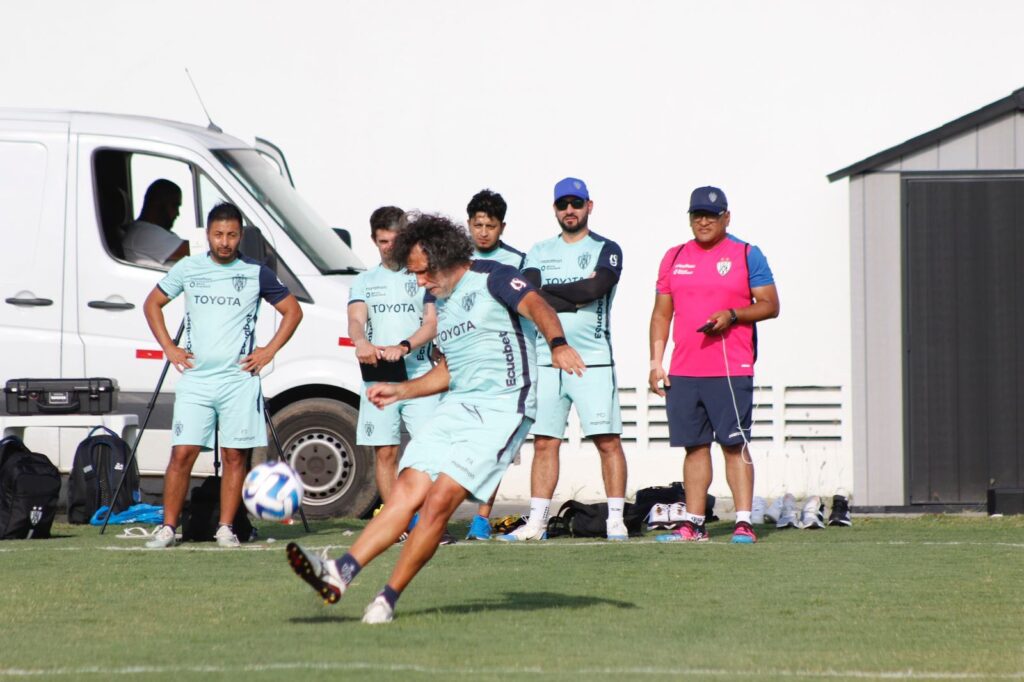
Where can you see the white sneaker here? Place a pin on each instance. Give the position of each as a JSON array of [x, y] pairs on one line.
[[813, 515], [163, 537], [378, 611], [616, 530], [757, 511], [319, 572], [787, 515], [225, 537], [676, 515], [658, 518], [527, 531], [774, 511]]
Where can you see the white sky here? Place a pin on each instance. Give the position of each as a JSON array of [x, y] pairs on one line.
[[421, 104]]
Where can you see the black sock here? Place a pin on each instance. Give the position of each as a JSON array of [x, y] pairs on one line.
[[390, 595], [348, 567]]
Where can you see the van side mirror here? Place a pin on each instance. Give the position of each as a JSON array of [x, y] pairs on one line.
[[345, 235], [253, 244]]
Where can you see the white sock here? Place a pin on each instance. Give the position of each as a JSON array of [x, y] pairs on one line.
[[539, 510], [694, 519], [743, 516], [615, 507]]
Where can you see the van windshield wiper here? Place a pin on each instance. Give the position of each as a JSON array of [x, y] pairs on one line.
[[345, 271]]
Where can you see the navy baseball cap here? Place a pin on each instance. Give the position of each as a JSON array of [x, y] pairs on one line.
[[708, 199], [571, 187]]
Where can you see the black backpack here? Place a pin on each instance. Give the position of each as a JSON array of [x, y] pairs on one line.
[[589, 520], [200, 519], [29, 488], [99, 463]]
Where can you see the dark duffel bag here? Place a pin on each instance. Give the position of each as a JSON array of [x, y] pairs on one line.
[[590, 520], [29, 488], [201, 518]]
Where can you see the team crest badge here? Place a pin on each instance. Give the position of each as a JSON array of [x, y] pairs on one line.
[[35, 516], [724, 266], [584, 261], [238, 282], [410, 287], [468, 301], [369, 429], [178, 428]]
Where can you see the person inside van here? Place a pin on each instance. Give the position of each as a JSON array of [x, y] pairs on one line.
[[149, 240]]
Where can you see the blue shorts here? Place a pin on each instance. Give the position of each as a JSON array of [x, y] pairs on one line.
[[595, 395], [701, 410], [471, 444], [235, 408], [383, 426]]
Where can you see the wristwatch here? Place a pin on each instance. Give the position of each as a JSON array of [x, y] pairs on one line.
[[404, 343], [732, 316]]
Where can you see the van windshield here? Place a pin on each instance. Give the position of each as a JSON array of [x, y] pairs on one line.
[[308, 230]]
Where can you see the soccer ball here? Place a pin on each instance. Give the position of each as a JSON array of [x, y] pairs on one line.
[[272, 491]]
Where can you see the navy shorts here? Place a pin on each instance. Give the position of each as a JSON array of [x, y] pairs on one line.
[[701, 410]]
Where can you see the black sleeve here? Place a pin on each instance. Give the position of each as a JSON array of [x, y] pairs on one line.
[[585, 290], [559, 304], [532, 275]]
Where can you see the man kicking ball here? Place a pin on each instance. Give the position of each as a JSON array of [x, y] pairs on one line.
[[488, 370]]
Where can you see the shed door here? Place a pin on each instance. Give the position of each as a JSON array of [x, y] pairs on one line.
[[964, 316]]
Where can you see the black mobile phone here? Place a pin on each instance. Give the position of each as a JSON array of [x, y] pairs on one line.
[[706, 328]]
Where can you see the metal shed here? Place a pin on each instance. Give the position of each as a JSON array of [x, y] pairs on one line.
[[937, 290]]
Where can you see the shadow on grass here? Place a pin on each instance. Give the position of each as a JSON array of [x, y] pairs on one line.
[[509, 601]]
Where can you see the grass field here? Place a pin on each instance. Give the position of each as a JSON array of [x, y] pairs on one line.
[[935, 597]]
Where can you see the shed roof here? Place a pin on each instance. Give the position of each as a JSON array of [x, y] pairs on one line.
[[990, 112]]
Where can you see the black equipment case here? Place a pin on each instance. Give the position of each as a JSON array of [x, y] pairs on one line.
[[61, 396]]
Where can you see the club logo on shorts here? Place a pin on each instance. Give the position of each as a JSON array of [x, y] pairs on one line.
[[238, 281], [410, 287], [369, 429], [178, 428], [583, 260], [468, 301], [724, 266]]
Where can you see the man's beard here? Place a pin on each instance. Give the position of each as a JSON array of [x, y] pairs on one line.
[[580, 224]]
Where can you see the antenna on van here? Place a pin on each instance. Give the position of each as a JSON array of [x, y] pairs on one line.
[[212, 126]]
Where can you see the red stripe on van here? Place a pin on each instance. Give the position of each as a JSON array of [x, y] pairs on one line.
[[345, 341], [142, 354]]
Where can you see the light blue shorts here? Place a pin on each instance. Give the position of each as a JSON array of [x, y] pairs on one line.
[[379, 426], [595, 396], [471, 444], [234, 407]]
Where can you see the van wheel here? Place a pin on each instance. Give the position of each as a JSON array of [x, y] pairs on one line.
[[318, 437]]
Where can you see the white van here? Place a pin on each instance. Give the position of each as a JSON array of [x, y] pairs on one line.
[[69, 183]]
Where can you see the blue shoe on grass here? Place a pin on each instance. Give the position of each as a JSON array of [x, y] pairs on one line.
[[479, 529]]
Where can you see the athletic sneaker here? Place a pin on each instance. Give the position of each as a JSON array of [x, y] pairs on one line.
[[479, 529], [813, 515], [525, 532], [319, 572], [616, 530], [840, 515], [774, 511], [676, 515], [378, 611], [163, 537], [658, 518], [743, 534], [787, 514], [757, 510], [226, 537], [687, 532], [446, 539]]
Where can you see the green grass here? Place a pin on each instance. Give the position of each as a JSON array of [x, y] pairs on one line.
[[923, 598]]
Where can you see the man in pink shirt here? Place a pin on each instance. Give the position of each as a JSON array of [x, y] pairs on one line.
[[716, 287]]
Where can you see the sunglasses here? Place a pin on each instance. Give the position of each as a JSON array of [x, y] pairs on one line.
[[566, 202]]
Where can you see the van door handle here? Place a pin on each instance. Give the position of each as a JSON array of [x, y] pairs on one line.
[[30, 301], [108, 305]]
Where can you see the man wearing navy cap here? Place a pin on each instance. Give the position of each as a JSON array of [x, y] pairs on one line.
[[577, 272], [716, 287]]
